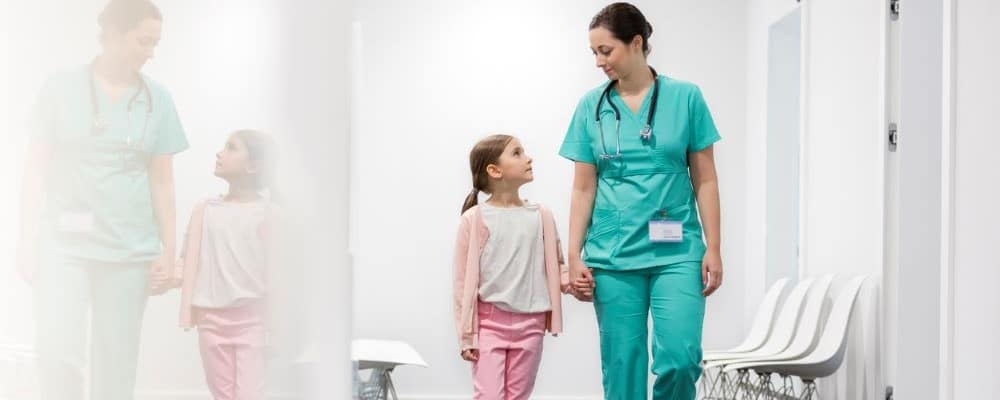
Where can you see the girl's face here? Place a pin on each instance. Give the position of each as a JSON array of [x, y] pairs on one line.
[[514, 165], [234, 160], [133, 48], [616, 58]]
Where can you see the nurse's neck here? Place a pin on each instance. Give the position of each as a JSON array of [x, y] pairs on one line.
[[640, 79], [113, 73], [505, 198]]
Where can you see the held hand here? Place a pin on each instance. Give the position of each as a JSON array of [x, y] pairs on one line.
[[711, 272], [470, 355], [588, 298], [581, 279], [160, 275]]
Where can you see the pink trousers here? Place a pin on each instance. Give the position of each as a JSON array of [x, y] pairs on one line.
[[232, 351], [510, 350]]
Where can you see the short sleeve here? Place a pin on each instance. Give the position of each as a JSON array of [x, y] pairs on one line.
[[170, 137], [576, 145], [43, 117], [703, 132]]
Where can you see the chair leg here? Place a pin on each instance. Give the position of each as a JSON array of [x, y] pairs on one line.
[[705, 382], [717, 386], [727, 387], [745, 384], [809, 390], [765, 387], [787, 388]]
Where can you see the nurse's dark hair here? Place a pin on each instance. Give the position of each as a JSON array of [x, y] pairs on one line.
[[263, 154], [125, 15], [625, 21], [487, 151]]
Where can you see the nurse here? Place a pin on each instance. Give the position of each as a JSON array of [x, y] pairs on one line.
[[644, 171], [98, 208]]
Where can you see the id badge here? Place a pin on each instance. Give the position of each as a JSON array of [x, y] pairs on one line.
[[665, 230], [76, 222]]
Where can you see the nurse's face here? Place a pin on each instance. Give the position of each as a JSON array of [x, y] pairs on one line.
[[133, 48], [234, 160], [616, 58], [514, 165]]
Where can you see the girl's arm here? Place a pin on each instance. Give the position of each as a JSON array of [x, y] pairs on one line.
[[161, 178], [706, 189], [580, 208]]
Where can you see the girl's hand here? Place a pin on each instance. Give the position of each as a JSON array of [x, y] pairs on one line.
[[470, 355], [711, 272], [582, 279]]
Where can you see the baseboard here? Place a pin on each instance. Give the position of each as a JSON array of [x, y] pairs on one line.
[[198, 395], [466, 397], [195, 395]]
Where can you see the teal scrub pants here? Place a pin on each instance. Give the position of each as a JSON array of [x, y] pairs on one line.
[[623, 301], [109, 299]]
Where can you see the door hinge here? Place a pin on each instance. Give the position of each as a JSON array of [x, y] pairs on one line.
[[894, 9], [893, 136]]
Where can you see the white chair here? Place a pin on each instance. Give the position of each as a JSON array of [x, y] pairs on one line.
[[382, 357], [828, 354], [784, 327], [805, 332], [762, 322], [781, 335], [759, 330]]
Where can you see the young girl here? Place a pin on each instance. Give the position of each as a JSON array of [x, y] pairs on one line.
[[507, 274], [225, 262]]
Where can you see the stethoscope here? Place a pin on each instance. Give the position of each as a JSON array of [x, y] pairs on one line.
[[645, 133], [100, 125]]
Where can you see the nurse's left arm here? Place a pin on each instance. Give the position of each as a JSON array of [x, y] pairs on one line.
[[706, 190], [161, 180]]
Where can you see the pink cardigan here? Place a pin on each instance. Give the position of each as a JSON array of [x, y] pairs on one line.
[[473, 230], [186, 271]]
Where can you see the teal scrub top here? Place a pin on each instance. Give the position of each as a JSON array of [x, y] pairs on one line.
[[103, 174], [650, 177]]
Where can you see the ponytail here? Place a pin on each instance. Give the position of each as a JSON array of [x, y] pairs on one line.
[[471, 200], [484, 153]]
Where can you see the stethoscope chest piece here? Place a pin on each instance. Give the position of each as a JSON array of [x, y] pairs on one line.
[[99, 126], [645, 133]]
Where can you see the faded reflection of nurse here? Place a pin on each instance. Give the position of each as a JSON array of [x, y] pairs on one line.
[[98, 213]]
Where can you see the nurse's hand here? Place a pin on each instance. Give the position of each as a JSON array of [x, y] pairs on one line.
[[711, 272], [582, 279], [160, 275]]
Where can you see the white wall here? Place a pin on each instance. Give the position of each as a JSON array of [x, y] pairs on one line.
[[270, 65], [976, 216], [440, 75]]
